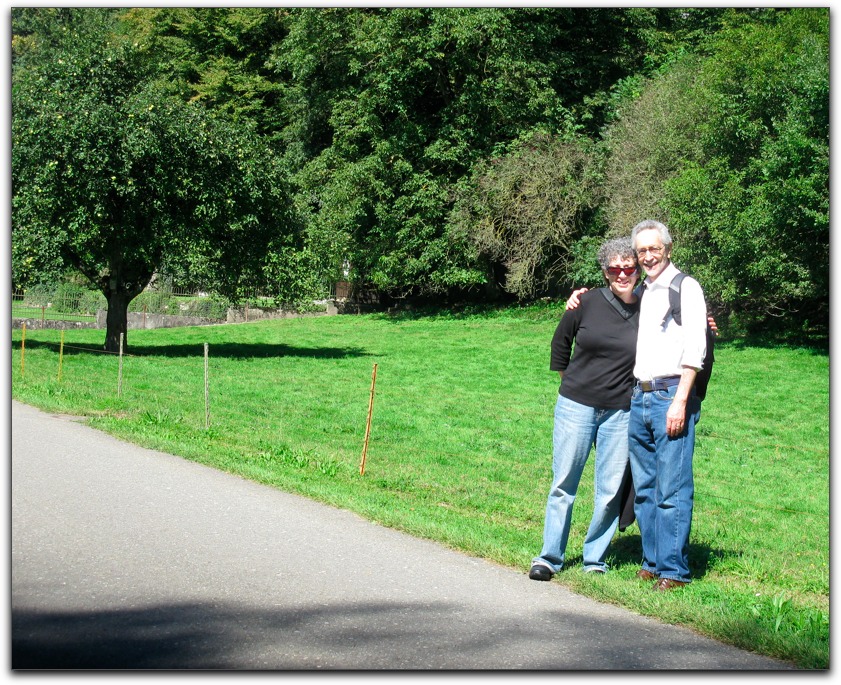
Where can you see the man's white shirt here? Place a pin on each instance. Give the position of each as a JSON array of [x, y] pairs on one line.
[[665, 351]]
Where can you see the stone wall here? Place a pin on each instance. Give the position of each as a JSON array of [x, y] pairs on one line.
[[249, 315], [140, 321], [49, 324]]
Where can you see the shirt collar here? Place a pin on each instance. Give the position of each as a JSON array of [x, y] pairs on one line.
[[664, 279]]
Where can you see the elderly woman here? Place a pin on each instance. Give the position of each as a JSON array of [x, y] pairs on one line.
[[592, 409]]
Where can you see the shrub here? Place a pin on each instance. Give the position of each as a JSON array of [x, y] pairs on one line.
[[39, 295], [155, 302], [524, 211], [67, 297], [212, 307]]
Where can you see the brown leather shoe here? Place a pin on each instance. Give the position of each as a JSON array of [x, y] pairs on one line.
[[669, 584], [644, 574]]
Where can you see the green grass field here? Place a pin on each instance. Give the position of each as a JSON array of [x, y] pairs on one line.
[[460, 447]]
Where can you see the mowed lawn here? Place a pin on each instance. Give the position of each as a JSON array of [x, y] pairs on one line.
[[459, 449]]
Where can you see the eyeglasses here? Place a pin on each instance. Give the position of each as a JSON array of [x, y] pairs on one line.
[[621, 270], [655, 251]]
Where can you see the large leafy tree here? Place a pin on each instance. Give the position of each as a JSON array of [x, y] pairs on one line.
[[527, 210], [391, 108], [222, 59], [653, 137], [217, 56], [113, 176], [754, 209], [730, 146]]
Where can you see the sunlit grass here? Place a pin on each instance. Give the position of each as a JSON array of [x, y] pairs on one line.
[[460, 447]]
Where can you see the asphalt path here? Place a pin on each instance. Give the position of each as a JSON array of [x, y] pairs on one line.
[[128, 558]]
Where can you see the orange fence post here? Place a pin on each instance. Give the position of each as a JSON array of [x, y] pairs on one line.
[[60, 355], [206, 394], [120, 370], [368, 424], [22, 349]]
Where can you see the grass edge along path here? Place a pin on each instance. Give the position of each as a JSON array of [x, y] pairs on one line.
[[460, 448]]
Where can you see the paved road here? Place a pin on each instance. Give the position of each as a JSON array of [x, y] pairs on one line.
[[124, 557]]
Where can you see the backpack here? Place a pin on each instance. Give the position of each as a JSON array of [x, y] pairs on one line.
[[702, 380]]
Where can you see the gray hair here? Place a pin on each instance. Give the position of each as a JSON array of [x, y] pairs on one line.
[[649, 224], [617, 247]]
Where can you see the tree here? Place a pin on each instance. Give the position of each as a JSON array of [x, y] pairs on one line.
[[754, 210], [730, 147], [653, 136], [217, 56], [526, 211], [112, 175], [393, 107]]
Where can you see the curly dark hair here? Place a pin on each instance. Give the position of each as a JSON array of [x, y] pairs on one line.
[[616, 247]]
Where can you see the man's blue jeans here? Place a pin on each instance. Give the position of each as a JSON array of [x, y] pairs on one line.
[[577, 428], [662, 470]]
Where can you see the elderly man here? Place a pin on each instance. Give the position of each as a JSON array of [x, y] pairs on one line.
[[664, 410]]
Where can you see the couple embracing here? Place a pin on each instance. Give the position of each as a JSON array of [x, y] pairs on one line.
[[629, 389]]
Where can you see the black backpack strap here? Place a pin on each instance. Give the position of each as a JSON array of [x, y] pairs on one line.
[[674, 300], [614, 302]]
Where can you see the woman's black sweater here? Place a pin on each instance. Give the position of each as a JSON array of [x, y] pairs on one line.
[[600, 372]]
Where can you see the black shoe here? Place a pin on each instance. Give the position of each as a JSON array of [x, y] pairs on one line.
[[540, 572]]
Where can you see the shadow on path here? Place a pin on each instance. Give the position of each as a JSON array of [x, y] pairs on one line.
[[359, 636]]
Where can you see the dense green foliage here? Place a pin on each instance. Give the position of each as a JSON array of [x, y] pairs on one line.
[[418, 145], [528, 210], [753, 209], [112, 176], [460, 447]]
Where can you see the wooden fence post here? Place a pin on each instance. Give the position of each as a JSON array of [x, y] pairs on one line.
[[120, 371], [22, 349], [206, 393], [368, 424], [60, 355]]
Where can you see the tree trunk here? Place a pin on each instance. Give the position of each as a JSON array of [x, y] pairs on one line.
[[116, 321]]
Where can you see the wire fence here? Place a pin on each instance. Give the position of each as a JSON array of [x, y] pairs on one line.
[[369, 433], [69, 303], [42, 304]]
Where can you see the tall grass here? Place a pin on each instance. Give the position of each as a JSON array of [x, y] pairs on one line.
[[460, 447]]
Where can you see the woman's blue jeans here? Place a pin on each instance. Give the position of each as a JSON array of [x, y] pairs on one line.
[[662, 470], [577, 429]]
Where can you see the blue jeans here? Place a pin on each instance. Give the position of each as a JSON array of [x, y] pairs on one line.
[[662, 470], [577, 428]]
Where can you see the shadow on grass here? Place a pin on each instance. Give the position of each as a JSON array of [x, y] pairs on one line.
[[229, 350], [627, 550], [817, 346], [460, 312]]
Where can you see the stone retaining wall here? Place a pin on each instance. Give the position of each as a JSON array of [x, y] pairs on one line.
[[37, 324], [140, 321]]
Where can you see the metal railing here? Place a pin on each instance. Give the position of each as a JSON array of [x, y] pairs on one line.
[[73, 302], [41, 304]]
